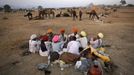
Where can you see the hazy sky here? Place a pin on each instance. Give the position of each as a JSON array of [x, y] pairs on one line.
[[57, 3]]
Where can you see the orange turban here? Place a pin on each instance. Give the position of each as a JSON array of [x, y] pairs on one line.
[[62, 30], [49, 30], [74, 30]]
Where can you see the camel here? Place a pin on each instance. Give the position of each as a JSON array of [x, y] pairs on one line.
[[46, 13], [42, 13], [70, 11], [74, 14], [29, 15], [51, 12], [93, 14]]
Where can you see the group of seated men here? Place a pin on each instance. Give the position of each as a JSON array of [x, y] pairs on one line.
[[67, 48]]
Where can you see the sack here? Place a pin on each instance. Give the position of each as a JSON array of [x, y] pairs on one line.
[[69, 57], [42, 66]]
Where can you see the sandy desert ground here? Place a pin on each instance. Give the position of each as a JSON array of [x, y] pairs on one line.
[[118, 29]]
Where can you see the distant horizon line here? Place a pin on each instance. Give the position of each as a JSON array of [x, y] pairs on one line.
[[29, 7]]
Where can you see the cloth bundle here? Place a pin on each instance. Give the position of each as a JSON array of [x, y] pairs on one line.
[[69, 57]]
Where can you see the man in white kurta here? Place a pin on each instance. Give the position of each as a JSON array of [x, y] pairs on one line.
[[73, 46], [34, 44]]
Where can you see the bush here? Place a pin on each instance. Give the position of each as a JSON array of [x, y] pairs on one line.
[[1, 9], [130, 5]]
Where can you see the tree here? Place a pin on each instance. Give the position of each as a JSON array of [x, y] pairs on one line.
[[1, 9], [7, 8], [123, 2], [40, 7]]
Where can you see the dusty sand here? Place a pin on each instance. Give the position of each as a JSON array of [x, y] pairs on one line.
[[118, 29]]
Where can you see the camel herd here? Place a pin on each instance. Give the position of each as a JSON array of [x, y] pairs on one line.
[[46, 13], [51, 14]]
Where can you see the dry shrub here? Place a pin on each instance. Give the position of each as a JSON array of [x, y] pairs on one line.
[[4, 18], [87, 12], [109, 21], [24, 45], [115, 16]]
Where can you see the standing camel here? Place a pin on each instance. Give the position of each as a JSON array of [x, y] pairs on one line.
[[29, 15], [51, 12], [93, 14]]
